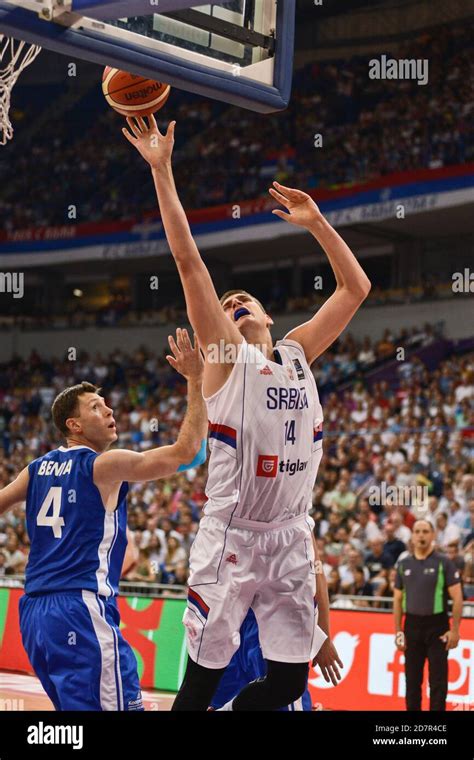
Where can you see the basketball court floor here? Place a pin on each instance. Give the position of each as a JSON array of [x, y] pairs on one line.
[[24, 692]]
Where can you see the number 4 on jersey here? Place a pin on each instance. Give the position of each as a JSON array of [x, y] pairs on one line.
[[54, 521], [290, 432]]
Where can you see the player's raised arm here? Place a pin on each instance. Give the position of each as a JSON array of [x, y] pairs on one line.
[[190, 447], [204, 310], [352, 284], [14, 493]]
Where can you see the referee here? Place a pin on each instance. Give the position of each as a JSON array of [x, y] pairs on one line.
[[424, 581]]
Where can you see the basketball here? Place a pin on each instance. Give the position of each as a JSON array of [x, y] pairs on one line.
[[133, 95]]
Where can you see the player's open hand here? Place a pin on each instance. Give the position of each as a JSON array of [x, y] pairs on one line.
[[155, 148], [303, 211], [187, 359], [328, 661]]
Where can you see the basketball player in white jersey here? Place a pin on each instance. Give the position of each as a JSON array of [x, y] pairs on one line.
[[254, 548]]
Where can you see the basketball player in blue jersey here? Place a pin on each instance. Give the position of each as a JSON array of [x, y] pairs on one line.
[[254, 547], [76, 517]]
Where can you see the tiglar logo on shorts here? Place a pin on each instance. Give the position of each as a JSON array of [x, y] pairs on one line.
[[268, 466], [232, 558]]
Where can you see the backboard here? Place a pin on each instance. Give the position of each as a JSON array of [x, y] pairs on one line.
[[237, 51]]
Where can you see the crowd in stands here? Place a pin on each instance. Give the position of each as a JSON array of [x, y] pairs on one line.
[[415, 434], [370, 128], [119, 311]]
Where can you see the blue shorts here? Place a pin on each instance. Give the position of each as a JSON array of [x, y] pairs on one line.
[[246, 666], [77, 651]]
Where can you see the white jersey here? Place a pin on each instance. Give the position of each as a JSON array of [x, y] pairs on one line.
[[265, 437]]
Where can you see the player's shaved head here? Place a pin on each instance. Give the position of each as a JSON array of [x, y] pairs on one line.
[[231, 293], [66, 405]]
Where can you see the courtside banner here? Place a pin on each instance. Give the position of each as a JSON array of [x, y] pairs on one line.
[[152, 627], [417, 191], [372, 678]]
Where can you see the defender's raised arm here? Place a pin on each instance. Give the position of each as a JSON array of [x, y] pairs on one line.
[[190, 447]]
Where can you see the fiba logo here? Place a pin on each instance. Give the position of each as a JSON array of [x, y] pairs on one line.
[[267, 466]]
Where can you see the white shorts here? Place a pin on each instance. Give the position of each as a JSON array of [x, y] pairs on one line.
[[271, 570]]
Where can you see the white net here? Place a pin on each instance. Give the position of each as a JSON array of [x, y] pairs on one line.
[[15, 56]]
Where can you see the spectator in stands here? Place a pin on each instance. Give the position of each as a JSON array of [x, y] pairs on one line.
[[334, 522], [401, 531], [181, 574], [325, 565], [385, 347], [433, 510], [340, 545], [169, 530], [16, 559], [3, 564], [445, 532], [360, 587], [156, 551], [378, 561], [452, 552], [456, 515], [468, 574], [334, 584], [351, 560], [393, 547], [342, 498], [469, 529], [174, 555], [366, 355], [364, 530], [387, 588], [185, 530], [145, 570]]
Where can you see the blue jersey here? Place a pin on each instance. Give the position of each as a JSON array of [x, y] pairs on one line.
[[75, 543]]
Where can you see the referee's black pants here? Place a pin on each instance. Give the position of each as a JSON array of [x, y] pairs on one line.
[[422, 640]]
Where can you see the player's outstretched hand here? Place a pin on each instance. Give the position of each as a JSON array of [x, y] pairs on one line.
[[187, 359], [303, 211], [328, 660], [155, 148]]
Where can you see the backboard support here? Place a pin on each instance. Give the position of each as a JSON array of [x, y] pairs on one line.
[[236, 51]]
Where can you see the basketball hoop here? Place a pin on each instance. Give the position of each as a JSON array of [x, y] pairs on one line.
[[18, 55]]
